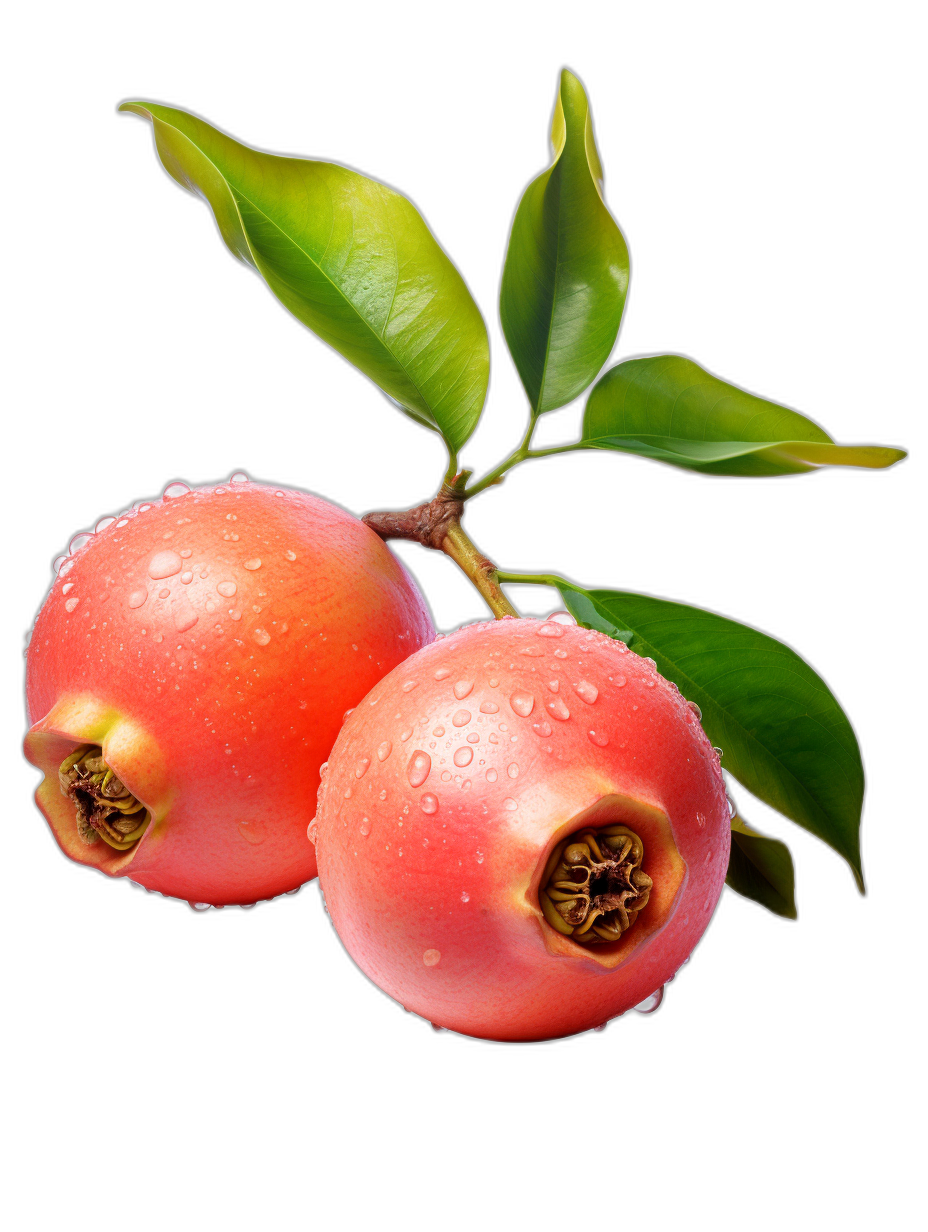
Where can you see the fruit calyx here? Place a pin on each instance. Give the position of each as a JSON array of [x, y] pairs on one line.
[[592, 887], [104, 806]]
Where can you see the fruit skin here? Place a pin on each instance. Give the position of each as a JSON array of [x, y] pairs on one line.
[[216, 709], [440, 908]]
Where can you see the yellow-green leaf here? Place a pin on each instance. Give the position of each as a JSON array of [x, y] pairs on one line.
[[350, 258], [566, 272], [667, 408]]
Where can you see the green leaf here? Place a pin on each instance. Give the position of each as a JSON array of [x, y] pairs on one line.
[[566, 272], [668, 408], [783, 734], [761, 869], [350, 258]]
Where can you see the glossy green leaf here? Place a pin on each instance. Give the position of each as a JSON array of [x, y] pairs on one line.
[[761, 869], [783, 733], [350, 258], [667, 408], [566, 272]]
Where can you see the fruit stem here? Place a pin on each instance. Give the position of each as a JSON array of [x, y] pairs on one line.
[[437, 525]]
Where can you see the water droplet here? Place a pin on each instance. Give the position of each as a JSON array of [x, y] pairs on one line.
[[183, 614], [542, 729], [80, 541], [384, 750], [701, 820], [510, 805], [554, 685], [290, 555], [361, 768], [103, 524], [365, 826], [650, 1004], [473, 738], [66, 587], [492, 776], [560, 654], [200, 906], [438, 731], [732, 810], [173, 490], [461, 719], [649, 684], [235, 613], [406, 734], [695, 709], [707, 905], [598, 738], [463, 756], [462, 688], [431, 957], [550, 629], [429, 803], [186, 578], [137, 598], [164, 592], [410, 685], [311, 831], [419, 768], [238, 477], [493, 682], [513, 770], [227, 589], [71, 604], [489, 708], [562, 618], [557, 709], [585, 691], [522, 703], [164, 565], [261, 636], [465, 897], [254, 563], [533, 652], [346, 714], [442, 674], [186, 553], [253, 832]]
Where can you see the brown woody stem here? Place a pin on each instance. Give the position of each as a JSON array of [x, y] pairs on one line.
[[437, 525]]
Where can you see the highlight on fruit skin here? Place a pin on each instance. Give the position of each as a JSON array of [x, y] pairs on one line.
[[188, 674], [502, 794]]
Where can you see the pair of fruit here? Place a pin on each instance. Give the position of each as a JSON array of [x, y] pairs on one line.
[[522, 829]]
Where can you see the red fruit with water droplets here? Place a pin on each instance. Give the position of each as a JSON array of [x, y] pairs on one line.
[[205, 649], [523, 831]]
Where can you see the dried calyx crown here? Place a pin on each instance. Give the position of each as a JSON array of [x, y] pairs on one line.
[[104, 806], [593, 888]]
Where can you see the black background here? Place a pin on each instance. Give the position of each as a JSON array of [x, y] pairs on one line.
[[758, 206]]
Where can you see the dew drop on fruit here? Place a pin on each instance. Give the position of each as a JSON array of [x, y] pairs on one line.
[[438, 731], [365, 826], [510, 805], [253, 832], [462, 688], [239, 477], [695, 709], [186, 577], [227, 589], [200, 906], [58, 564], [600, 739], [103, 524], [701, 820], [554, 685], [522, 703], [254, 563], [410, 685], [465, 897], [492, 776], [562, 618], [533, 652], [463, 756], [164, 565], [137, 598], [429, 803], [489, 708], [419, 768], [384, 750], [186, 553], [442, 674], [68, 586], [549, 629], [184, 616], [173, 490], [80, 541], [513, 770], [461, 719], [431, 958], [163, 594], [650, 1004], [261, 636], [290, 555], [557, 709], [406, 734], [473, 738], [235, 613], [542, 729], [361, 768], [71, 604], [560, 654], [586, 692]]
